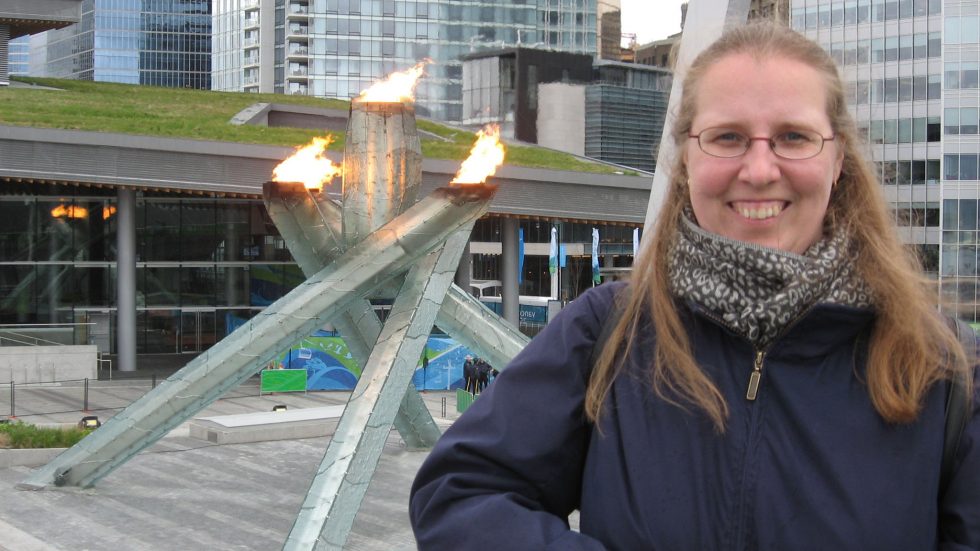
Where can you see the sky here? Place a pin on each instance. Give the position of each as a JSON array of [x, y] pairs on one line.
[[651, 19]]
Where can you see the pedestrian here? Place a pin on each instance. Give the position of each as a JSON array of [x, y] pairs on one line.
[[482, 374], [776, 373], [469, 375]]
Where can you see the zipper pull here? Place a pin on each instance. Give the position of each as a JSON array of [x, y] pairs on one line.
[[755, 377]]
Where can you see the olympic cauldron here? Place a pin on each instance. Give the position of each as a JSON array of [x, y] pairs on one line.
[[380, 242]]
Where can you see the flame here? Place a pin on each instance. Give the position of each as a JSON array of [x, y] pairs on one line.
[[487, 154], [397, 87], [308, 165], [69, 211], [108, 211]]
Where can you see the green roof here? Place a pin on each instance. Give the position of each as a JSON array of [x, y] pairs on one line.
[[206, 115]]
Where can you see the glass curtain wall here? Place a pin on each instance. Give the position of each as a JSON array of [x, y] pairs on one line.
[[204, 265], [615, 248], [902, 71], [153, 42]]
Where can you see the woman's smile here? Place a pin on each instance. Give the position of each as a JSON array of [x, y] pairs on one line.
[[759, 210]]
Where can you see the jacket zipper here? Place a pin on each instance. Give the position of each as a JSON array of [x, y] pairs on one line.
[[752, 392], [755, 376]]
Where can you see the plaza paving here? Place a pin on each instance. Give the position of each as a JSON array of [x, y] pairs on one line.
[[188, 494]]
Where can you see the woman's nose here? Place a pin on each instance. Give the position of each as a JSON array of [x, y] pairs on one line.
[[760, 165]]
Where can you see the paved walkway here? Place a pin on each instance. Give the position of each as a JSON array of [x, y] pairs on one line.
[[187, 494]]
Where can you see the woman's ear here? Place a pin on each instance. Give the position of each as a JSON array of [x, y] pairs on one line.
[[839, 164]]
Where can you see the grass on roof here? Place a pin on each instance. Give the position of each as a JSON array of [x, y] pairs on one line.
[[205, 115]]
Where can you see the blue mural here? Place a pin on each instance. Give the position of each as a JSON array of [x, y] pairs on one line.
[[329, 365]]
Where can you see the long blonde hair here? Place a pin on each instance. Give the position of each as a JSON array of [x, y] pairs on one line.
[[910, 348]]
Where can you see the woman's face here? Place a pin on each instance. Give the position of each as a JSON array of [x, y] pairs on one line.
[[759, 197]]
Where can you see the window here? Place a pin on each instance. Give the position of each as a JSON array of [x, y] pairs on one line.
[[935, 86], [935, 44], [933, 129], [951, 121], [969, 76], [952, 75], [920, 46], [952, 34], [951, 166], [920, 87], [968, 167], [919, 129], [968, 120]]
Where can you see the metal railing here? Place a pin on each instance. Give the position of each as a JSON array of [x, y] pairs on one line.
[[20, 334], [25, 400]]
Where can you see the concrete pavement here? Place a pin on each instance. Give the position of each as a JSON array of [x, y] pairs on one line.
[[187, 493]]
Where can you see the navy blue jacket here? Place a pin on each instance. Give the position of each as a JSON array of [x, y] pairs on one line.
[[807, 465]]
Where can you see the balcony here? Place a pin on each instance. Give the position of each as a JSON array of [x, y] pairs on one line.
[[298, 73], [250, 43], [251, 22], [301, 52], [298, 31], [251, 60], [251, 5], [298, 11], [299, 90]]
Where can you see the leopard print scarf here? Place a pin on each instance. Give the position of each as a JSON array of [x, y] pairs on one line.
[[759, 291]]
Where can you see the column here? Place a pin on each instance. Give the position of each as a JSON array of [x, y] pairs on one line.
[[508, 271], [126, 280]]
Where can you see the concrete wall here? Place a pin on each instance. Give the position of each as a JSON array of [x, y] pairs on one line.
[[43, 364], [561, 117]]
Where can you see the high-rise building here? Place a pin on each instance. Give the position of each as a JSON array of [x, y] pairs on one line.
[[152, 42], [609, 15], [911, 67], [608, 110], [337, 48], [21, 18]]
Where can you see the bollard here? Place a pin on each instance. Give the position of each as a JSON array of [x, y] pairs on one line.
[[443, 407], [12, 399], [153, 380], [85, 396]]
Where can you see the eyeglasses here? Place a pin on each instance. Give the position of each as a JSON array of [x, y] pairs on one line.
[[795, 145]]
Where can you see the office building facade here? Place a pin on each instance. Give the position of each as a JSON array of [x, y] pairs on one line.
[[911, 67], [625, 110], [337, 48], [150, 42]]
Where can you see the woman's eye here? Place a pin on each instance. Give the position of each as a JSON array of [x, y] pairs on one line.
[[795, 137], [728, 137]]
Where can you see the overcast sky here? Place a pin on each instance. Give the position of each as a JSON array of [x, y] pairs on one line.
[[651, 19]]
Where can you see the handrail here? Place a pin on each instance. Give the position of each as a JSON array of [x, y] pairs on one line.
[[37, 340]]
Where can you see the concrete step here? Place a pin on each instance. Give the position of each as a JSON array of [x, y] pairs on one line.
[[267, 425]]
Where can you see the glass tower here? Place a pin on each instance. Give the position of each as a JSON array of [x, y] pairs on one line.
[[337, 48], [153, 42], [912, 72]]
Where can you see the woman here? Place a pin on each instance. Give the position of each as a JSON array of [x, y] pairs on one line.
[[776, 380]]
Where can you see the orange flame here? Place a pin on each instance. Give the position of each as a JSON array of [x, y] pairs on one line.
[[308, 165], [69, 211], [487, 154], [397, 87], [108, 211]]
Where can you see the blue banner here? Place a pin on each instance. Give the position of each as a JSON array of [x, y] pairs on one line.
[[595, 257], [520, 256]]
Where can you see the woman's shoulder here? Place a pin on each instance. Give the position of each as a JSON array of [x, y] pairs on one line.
[[600, 299]]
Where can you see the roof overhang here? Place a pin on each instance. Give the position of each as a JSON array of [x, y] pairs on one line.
[[33, 16], [51, 156]]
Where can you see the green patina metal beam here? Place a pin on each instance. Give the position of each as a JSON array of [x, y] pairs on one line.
[[390, 250], [352, 456]]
